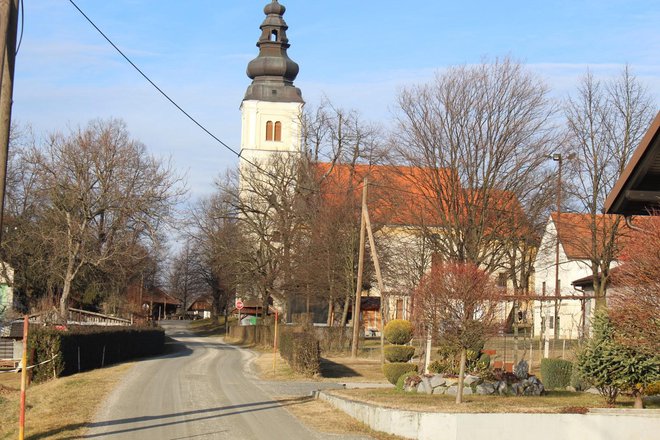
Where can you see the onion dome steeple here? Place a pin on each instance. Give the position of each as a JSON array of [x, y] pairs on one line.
[[272, 71]]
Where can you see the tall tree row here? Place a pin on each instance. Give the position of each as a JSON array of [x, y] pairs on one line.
[[605, 122]]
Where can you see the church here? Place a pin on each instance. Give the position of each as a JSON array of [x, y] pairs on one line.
[[271, 115]]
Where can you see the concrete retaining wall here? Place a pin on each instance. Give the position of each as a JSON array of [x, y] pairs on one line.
[[595, 425]]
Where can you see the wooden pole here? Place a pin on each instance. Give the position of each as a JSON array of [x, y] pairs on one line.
[[379, 278], [8, 28], [358, 287], [24, 368], [275, 342]]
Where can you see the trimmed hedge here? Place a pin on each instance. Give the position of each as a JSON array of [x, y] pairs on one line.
[[399, 353], [399, 331], [83, 348], [556, 373], [302, 352], [395, 370]]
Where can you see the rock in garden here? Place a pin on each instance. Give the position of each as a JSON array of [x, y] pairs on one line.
[[437, 380], [486, 388], [469, 380]]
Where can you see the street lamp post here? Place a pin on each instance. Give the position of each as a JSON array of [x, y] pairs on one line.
[[557, 158]]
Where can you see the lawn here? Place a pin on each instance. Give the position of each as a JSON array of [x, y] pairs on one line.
[[552, 402]]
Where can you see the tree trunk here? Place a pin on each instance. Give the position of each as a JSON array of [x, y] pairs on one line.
[[64, 300], [344, 314], [330, 312], [461, 376]]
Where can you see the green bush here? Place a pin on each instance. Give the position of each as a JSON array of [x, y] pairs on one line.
[[399, 331], [84, 348], [483, 363], [394, 370], [400, 383], [399, 353], [556, 373], [302, 352], [577, 381], [443, 366], [612, 367]]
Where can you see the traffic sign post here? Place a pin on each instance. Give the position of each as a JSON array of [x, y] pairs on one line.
[[239, 306]]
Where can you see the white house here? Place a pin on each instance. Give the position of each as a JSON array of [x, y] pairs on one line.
[[575, 305]]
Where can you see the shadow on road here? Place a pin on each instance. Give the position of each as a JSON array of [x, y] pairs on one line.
[[176, 418], [334, 370]]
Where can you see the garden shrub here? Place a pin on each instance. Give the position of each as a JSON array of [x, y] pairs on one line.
[[653, 389], [612, 367], [556, 373], [440, 367], [399, 353], [399, 331], [483, 363], [577, 381], [401, 382], [84, 348], [301, 351], [394, 370]]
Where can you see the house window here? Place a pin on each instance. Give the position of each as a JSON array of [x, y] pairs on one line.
[[269, 130], [399, 309], [501, 280], [274, 131], [551, 321], [278, 131]]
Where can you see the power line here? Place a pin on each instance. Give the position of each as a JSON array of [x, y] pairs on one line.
[[165, 95]]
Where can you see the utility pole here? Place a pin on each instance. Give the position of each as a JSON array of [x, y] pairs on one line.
[[358, 287], [8, 29], [379, 278]]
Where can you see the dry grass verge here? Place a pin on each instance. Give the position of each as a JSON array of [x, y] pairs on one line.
[[323, 417], [553, 402], [60, 408]]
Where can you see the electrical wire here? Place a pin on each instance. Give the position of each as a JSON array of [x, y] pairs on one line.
[[20, 39]]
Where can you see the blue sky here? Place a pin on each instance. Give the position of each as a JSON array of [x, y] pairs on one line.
[[358, 53]]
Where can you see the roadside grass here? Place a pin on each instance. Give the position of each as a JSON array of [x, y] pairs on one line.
[[552, 402], [323, 417], [57, 409]]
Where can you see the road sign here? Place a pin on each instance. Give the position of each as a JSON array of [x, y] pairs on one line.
[[239, 304]]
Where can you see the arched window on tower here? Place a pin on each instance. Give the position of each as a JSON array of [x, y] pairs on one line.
[[269, 130], [278, 131], [273, 36]]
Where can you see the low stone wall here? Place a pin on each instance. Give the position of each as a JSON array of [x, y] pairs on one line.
[[439, 384], [598, 424]]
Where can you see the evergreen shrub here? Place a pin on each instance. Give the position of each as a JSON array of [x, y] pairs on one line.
[[399, 331], [399, 353], [556, 373], [394, 370]]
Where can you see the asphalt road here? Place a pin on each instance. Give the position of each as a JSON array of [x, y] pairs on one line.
[[201, 390]]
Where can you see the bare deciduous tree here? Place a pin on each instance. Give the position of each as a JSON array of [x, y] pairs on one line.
[[100, 195], [479, 136], [635, 303], [605, 122]]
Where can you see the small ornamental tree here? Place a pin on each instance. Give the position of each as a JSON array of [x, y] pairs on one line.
[[459, 302], [398, 332], [612, 366]]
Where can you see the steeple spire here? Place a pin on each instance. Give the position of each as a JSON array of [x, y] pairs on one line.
[[272, 71]]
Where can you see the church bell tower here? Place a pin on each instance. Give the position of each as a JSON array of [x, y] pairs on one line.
[[272, 105]]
